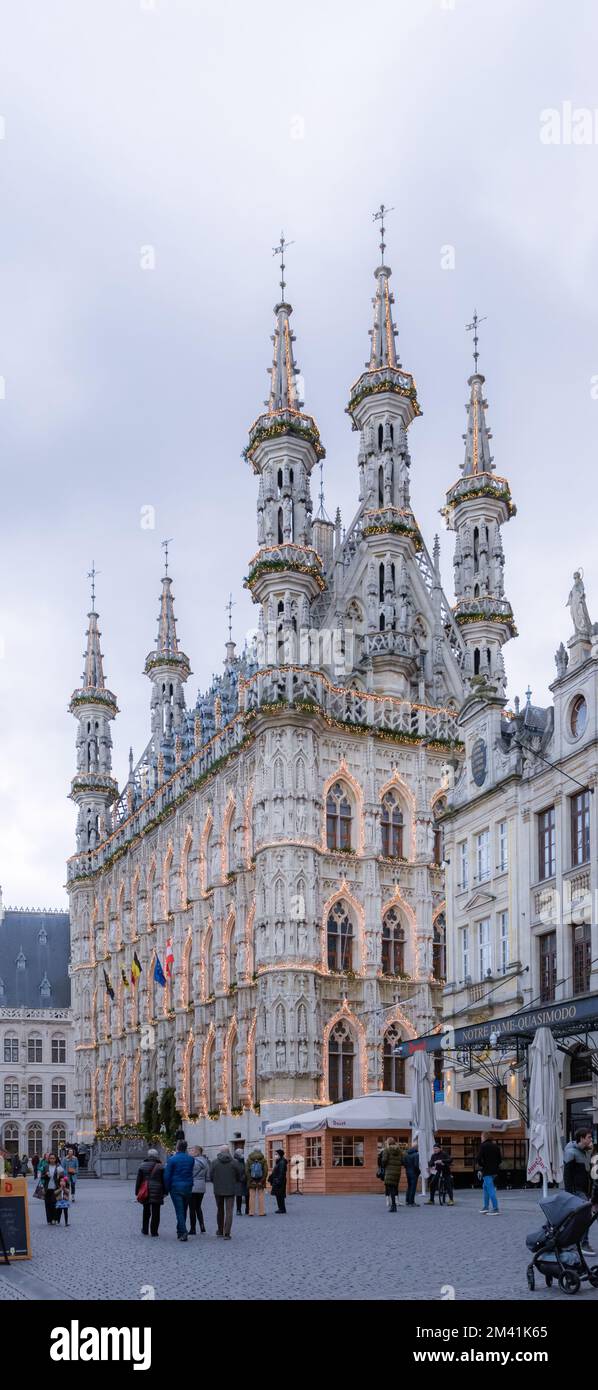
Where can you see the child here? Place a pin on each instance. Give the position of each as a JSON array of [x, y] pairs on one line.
[[63, 1201]]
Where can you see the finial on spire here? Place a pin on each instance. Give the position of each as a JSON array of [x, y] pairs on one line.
[[229, 609], [165, 544], [473, 327], [91, 574], [279, 251], [379, 217]]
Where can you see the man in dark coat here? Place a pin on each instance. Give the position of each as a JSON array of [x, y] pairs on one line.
[[576, 1169], [278, 1182], [226, 1174], [412, 1170], [488, 1163], [391, 1160], [152, 1169], [178, 1181]]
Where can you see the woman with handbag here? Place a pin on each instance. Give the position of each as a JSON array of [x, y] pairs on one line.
[[149, 1191], [63, 1201], [51, 1183]]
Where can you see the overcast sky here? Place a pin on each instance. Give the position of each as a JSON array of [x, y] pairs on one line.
[[199, 130]]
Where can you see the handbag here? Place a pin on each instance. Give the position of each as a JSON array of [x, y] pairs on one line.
[[380, 1172], [143, 1194], [39, 1190]]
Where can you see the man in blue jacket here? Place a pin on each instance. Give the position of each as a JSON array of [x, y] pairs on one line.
[[178, 1181]]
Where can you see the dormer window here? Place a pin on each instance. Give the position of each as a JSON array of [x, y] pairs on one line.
[[43, 937], [21, 961], [45, 988]]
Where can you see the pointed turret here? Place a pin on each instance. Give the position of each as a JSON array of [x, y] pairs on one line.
[[93, 788], [168, 668], [284, 444], [384, 390], [477, 506]]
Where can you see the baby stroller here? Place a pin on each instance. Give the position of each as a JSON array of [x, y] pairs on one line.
[[557, 1247]]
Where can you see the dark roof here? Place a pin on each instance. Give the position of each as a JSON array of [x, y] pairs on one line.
[[34, 954]]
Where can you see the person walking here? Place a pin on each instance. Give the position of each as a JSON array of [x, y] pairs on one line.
[[151, 1172], [226, 1172], [278, 1182], [71, 1168], [201, 1175], [241, 1191], [178, 1181], [488, 1163], [391, 1160], [576, 1163], [51, 1181], [412, 1171], [35, 1165], [256, 1171], [63, 1200]]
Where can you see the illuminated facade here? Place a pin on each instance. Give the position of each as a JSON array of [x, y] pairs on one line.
[[282, 833]]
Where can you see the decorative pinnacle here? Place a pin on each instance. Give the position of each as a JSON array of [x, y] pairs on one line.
[[165, 544], [91, 574], [379, 217], [473, 327], [279, 251], [229, 609]]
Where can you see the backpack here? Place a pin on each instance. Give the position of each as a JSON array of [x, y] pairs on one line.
[[256, 1170]]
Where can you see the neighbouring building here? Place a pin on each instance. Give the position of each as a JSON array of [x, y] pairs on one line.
[[280, 837], [521, 841], [36, 1032]]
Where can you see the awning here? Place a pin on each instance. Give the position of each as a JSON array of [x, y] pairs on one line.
[[385, 1110]]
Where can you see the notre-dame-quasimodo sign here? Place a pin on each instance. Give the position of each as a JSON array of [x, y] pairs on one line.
[[479, 762]]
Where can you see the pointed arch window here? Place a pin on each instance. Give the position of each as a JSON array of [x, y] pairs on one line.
[[280, 526], [341, 1063], [380, 486], [209, 965], [232, 955], [439, 809], [393, 944], [34, 1141], [233, 1074], [212, 1105], [338, 818], [392, 827], [476, 549], [393, 1067], [340, 940], [381, 582], [439, 948]]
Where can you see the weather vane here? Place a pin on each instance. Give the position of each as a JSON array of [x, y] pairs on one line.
[[229, 609], [91, 574], [379, 217], [473, 326], [165, 544], [279, 251]]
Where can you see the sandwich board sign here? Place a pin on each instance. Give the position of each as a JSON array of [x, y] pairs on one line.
[[15, 1239]]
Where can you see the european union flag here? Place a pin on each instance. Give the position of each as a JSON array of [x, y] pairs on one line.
[[159, 975]]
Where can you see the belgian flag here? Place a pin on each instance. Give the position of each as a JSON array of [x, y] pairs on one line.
[[135, 969]]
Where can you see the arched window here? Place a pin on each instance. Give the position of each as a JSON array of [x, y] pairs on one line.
[[392, 827], [212, 1105], [34, 1141], [11, 1093], [232, 955], [381, 582], [11, 1139], [581, 1067], [393, 944], [280, 526], [280, 481], [380, 486], [34, 1048], [393, 1066], [209, 965], [57, 1138], [380, 436], [233, 1074], [439, 809], [341, 1062], [476, 662], [58, 1048], [340, 938], [476, 549], [87, 1092], [338, 818], [439, 948]]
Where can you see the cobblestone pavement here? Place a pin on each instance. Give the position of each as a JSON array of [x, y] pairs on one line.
[[325, 1248]]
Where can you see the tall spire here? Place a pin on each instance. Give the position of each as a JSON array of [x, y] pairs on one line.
[[478, 458], [284, 370], [168, 668], [93, 788], [383, 373], [166, 651]]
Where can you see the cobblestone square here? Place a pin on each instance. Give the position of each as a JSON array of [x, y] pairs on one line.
[[326, 1248]]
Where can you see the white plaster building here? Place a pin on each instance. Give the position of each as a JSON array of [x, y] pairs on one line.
[[36, 1032], [282, 832]]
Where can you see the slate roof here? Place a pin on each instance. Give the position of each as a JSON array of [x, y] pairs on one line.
[[34, 960]]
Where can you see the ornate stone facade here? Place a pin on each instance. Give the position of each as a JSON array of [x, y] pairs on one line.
[[282, 834]]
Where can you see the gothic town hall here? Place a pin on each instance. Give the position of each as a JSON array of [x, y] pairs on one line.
[[277, 848]]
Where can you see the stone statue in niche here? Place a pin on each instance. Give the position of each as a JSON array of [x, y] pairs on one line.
[[302, 1055], [281, 1054]]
